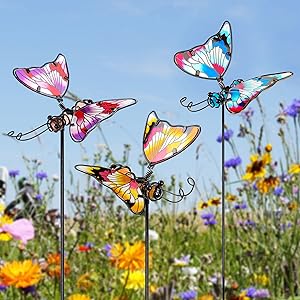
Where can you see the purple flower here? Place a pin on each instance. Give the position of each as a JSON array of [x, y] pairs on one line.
[[227, 135], [278, 191], [250, 292], [233, 162], [295, 190], [285, 177], [41, 175], [30, 290], [210, 222], [285, 226], [13, 173], [207, 216], [240, 206], [188, 295], [254, 186], [89, 245], [247, 114], [107, 248], [209, 219], [184, 260], [262, 293], [293, 109], [38, 197], [284, 200], [249, 223], [3, 287]]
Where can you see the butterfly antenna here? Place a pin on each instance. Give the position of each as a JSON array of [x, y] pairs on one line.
[[181, 194], [149, 172], [191, 104], [24, 136], [221, 83], [60, 104]]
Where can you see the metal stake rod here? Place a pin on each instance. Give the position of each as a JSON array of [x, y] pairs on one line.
[[147, 246], [223, 203], [62, 214]]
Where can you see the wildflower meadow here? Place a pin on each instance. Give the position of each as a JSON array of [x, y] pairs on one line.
[[104, 243]]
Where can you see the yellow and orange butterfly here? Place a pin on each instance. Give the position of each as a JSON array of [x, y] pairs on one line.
[[161, 142]]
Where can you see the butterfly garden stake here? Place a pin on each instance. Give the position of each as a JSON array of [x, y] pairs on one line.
[[161, 142], [210, 61], [52, 80]]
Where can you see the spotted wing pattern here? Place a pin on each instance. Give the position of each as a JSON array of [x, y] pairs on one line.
[[121, 181], [210, 60], [51, 79], [242, 93], [86, 115], [163, 140]]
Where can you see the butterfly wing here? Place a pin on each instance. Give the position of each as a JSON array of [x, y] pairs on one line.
[[241, 94], [87, 116], [210, 60], [51, 79], [121, 181], [163, 140]]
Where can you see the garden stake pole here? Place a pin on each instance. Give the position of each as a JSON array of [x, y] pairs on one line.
[[62, 213], [146, 249], [223, 203]]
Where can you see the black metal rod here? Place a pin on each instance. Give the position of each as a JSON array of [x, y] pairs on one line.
[[147, 246], [223, 203], [62, 214]]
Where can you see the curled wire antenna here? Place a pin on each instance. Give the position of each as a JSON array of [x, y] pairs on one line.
[[181, 192], [28, 135], [191, 104], [149, 172], [54, 123]]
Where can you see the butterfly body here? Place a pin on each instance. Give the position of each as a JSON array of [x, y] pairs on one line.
[[52, 80], [211, 60], [151, 190], [161, 141]]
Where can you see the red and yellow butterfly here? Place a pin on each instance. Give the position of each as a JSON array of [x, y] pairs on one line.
[[161, 141], [52, 80]]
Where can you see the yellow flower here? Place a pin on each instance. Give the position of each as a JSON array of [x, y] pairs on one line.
[[202, 205], [2, 208], [268, 148], [294, 169], [129, 257], [261, 279], [5, 220], [133, 280], [243, 296], [266, 184], [79, 297], [153, 288], [115, 252], [20, 274], [206, 297], [230, 197], [53, 269], [293, 206], [256, 169], [214, 201], [108, 233], [86, 281]]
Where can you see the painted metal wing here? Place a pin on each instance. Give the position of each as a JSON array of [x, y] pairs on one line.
[[86, 115], [243, 92], [210, 60], [163, 140], [51, 79], [121, 181]]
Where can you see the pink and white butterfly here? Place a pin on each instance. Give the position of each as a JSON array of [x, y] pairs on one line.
[[52, 80]]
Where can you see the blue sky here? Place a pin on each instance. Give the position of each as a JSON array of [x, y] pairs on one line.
[[119, 49]]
